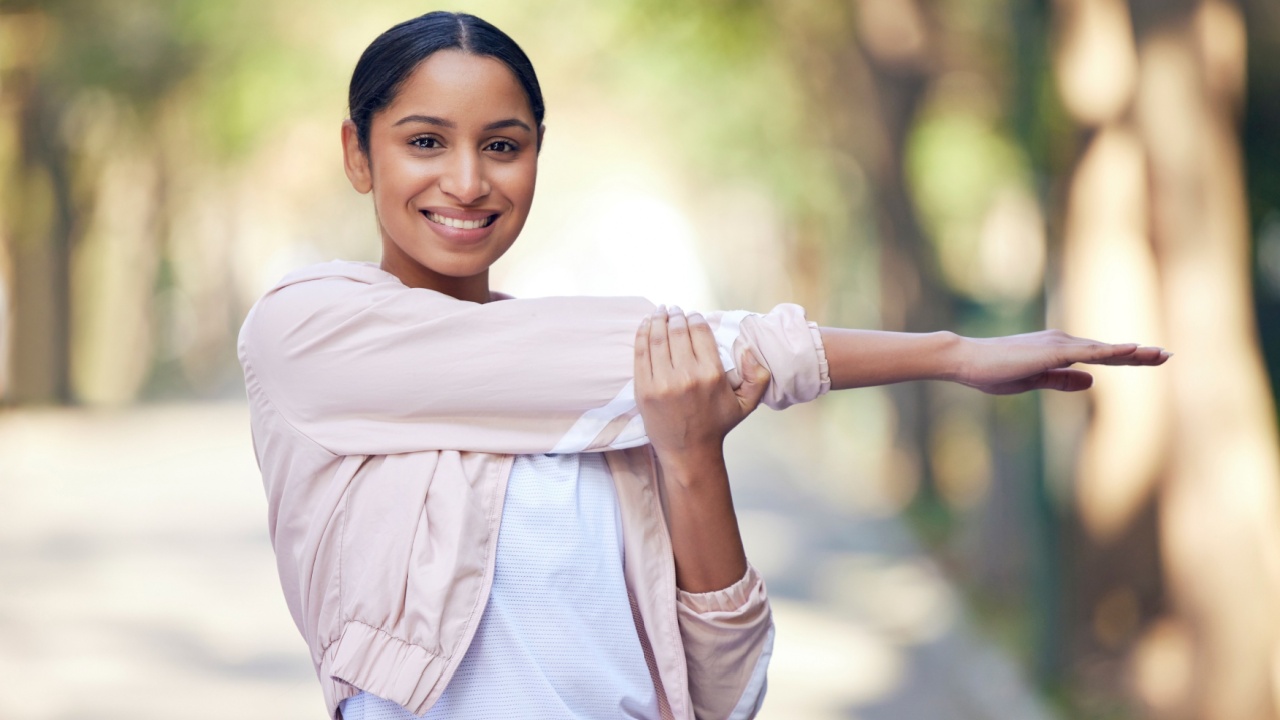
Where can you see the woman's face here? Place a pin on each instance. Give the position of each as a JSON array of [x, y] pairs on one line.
[[451, 164]]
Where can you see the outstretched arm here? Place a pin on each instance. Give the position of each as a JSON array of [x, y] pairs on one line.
[[1000, 365], [361, 365]]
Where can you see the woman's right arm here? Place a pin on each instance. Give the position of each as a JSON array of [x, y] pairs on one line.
[[363, 366]]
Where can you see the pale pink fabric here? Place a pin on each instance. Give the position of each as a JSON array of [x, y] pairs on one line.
[[384, 420]]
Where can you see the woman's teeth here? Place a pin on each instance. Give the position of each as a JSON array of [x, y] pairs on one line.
[[460, 224]]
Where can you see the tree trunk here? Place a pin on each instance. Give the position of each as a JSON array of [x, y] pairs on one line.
[[39, 199], [1157, 241]]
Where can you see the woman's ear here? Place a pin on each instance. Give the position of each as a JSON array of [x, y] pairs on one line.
[[542, 130], [355, 159]]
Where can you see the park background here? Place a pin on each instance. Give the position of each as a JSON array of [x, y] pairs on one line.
[[988, 166]]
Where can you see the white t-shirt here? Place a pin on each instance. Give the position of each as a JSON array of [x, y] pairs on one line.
[[557, 638]]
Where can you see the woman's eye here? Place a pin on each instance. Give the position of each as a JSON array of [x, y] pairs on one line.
[[425, 142], [502, 146]]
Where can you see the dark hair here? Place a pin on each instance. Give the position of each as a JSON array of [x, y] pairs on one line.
[[394, 54]]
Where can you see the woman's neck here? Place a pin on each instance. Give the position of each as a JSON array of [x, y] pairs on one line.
[[413, 274]]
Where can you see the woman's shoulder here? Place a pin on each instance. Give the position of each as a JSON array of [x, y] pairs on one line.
[[321, 296], [305, 290], [330, 284], [334, 271]]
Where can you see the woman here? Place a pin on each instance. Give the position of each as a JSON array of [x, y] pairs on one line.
[[488, 507]]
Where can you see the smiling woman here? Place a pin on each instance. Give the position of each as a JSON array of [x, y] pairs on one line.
[[449, 152], [500, 508]]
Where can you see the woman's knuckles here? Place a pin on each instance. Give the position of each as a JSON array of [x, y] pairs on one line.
[[711, 378]]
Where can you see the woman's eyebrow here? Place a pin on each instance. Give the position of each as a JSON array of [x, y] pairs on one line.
[[428, 119], [509, 122], [441, 122]]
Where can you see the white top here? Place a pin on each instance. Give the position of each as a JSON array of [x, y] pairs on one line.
[[557, 638]]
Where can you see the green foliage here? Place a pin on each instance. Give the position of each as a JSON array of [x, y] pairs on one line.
[[957, 163], [716, 77], [258, 89], [135, 50]]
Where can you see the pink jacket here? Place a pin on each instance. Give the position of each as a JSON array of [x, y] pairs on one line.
[[385, 419]]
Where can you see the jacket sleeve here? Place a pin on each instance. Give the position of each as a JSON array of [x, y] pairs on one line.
[[728, 641], [377, 368]]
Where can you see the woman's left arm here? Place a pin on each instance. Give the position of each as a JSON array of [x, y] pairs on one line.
[[999, 365], [689, 405]]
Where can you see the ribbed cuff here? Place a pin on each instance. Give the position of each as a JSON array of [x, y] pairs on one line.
[[732, 599], [824, 370]]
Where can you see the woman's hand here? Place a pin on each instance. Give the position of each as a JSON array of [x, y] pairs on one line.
[[688, 407], [683, 394], [1041, 361]]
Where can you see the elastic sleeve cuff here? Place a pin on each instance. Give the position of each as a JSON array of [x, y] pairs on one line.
[[824, 370], [728, 639], [734, 599]]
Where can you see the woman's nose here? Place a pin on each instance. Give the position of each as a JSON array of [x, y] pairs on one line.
[[464, 179]]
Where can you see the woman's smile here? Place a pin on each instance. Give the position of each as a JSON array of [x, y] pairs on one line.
[[460, 223], [461, 226]]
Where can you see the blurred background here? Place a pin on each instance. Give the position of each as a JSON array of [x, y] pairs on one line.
[[1109, 167]]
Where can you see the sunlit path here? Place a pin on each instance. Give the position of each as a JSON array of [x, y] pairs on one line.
[[139, 583], [138, 578]]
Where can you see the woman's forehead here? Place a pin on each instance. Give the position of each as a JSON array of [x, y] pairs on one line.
[[462, 88]]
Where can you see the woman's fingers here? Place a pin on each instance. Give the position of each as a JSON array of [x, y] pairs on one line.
[[682, 392], [1065, 380], [704, 341], [1140, 356], [680, 342], [755, 380], [755, 377], [659, 342], [644, 366], [1042, 360], [1123, 354]]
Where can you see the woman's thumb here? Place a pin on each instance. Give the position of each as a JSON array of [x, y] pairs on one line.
[[755, 380]]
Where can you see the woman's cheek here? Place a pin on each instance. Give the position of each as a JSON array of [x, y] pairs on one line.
[[519, 178]]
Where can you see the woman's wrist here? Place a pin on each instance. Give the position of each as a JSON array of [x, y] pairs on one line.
[[952, 354], [693, 465]]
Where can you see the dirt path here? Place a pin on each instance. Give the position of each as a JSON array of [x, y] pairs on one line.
[[136, 581]]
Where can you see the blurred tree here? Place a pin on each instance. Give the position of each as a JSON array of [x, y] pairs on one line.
[[1156, 245], [69, 62], [1262, 160], [128, 117]]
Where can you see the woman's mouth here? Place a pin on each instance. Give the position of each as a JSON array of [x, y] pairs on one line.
[[458, 223]]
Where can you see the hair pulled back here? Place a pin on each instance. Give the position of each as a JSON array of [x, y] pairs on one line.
[[393, 55]]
